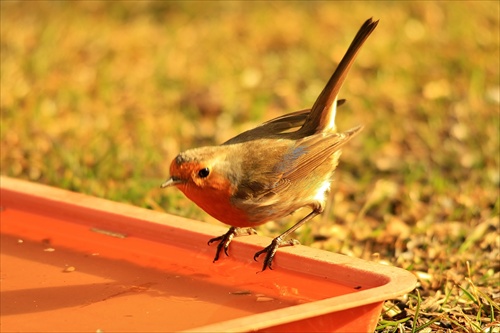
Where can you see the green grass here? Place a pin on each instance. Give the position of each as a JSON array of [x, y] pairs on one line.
[[98, 97]]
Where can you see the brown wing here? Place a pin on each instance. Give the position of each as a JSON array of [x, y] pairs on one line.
[[274, 127], [298, 160], [311, 152]]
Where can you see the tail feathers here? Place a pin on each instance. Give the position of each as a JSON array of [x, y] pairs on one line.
[[322, 116]]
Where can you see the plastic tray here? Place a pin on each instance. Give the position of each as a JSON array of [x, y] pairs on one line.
[[75, 263]]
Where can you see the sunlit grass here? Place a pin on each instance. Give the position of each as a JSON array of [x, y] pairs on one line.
[[98, 97]]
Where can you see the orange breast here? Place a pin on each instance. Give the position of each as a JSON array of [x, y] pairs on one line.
[[216, 201]]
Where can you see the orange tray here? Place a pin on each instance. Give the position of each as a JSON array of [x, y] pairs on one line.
[[75, 263]]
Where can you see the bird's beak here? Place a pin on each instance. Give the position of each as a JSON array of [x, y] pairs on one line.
[[172, 182]]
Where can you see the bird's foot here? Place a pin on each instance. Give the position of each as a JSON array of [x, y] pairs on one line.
[[270, 250], [226, 239]]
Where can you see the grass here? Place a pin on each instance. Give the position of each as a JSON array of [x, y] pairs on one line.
[[98, 97]]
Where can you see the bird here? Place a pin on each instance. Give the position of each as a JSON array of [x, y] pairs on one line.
[[269, 172]]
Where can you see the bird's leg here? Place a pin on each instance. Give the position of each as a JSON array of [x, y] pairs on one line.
[[280, 241], [225, 239]]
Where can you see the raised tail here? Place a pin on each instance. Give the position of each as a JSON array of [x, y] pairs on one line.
[[322, 115]]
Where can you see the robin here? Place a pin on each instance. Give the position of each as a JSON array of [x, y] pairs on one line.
[[270, 171]]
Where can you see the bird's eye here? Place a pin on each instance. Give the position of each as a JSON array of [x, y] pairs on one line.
[[203, 173]]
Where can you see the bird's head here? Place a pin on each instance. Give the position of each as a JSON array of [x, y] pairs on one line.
[[200, 168]]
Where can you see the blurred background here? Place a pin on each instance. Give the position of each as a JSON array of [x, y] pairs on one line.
[[99, 97]]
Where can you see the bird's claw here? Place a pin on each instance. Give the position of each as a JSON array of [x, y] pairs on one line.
[[270, 252], [271, 249], [226, 239]]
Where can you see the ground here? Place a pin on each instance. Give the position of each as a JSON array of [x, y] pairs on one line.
[[98, 97]]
